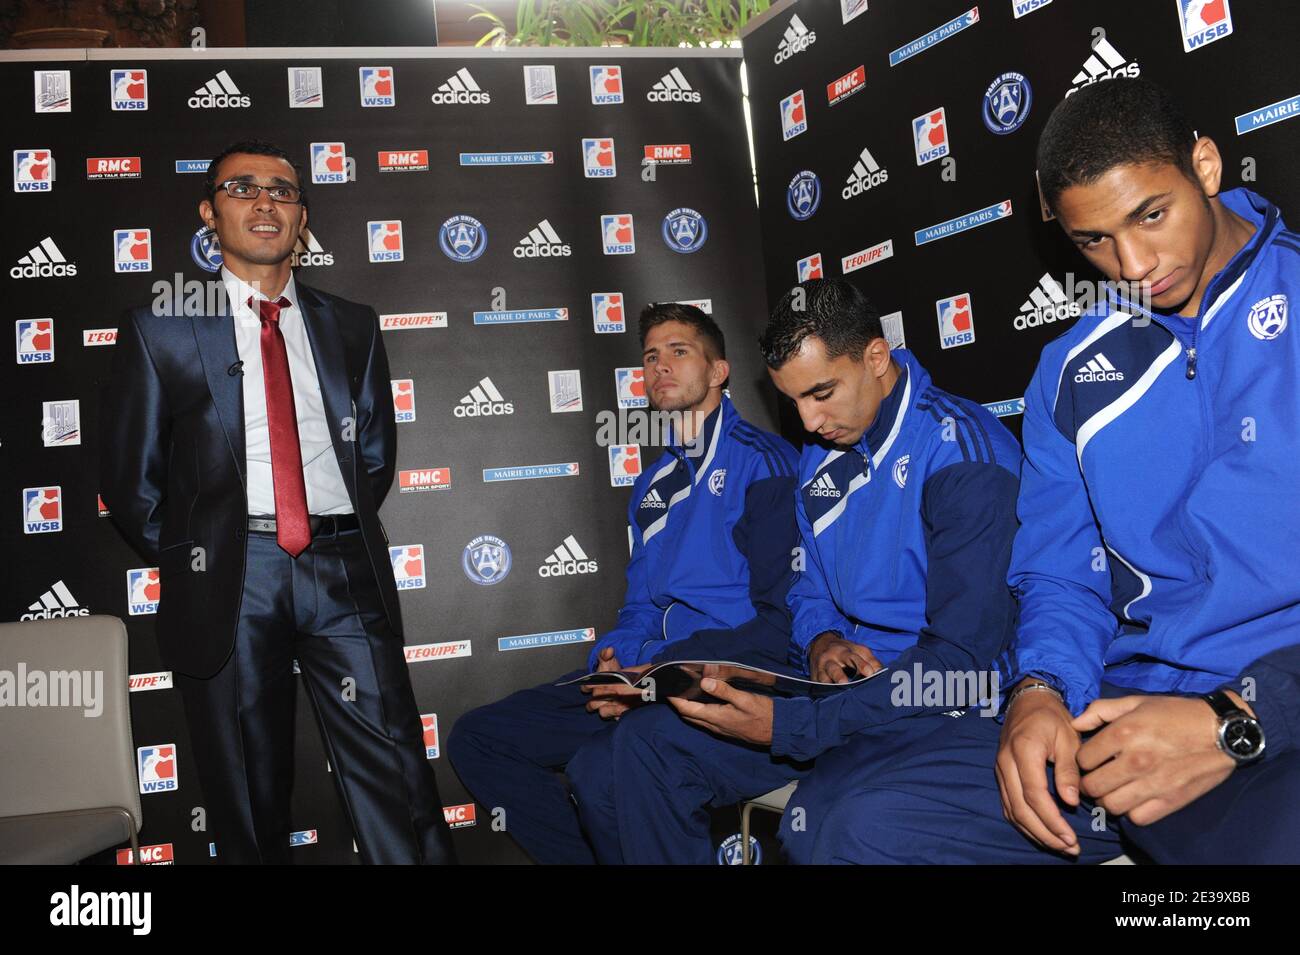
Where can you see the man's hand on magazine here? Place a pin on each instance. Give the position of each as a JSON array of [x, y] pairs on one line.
[[611, 701], [607, 660], [831, 656], [743, 716]]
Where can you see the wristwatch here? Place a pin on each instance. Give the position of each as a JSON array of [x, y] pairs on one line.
[[1239, 735]]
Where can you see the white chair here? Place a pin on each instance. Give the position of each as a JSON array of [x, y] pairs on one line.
[[68, 786]]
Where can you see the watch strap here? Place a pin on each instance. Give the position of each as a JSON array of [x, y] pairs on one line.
[[1222, 704]]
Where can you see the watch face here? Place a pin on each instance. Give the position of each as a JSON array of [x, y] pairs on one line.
[[1243, 737]]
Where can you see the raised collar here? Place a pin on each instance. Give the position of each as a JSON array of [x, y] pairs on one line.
[[715, 426], [879, 438]]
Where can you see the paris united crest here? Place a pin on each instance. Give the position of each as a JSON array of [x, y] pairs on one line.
[[803, 195], [462, 238], [1006, 103], [685, 230]]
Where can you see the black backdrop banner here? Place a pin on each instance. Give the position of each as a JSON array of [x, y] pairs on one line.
[[895, 141], [894, 144], [499, 213]]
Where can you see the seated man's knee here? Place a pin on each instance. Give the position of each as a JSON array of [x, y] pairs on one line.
[[470, 737], [863, 827], [796, 837], [591, 771]]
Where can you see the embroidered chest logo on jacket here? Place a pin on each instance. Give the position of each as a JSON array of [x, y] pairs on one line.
[[670, 479], [823, 487], [1098, 368], [1267, 318], [900, 470], [824, 497]]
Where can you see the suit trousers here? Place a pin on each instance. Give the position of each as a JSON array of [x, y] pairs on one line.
[[324, 610]]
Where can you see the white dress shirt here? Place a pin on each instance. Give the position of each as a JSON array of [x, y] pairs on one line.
[[326, 492]]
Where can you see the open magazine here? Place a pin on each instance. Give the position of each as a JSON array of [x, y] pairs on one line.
[[681, 678]]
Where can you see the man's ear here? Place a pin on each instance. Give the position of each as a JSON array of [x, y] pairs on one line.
[[302, 220], [876, 355], [1207, 163], [207, 213], [719, 373]]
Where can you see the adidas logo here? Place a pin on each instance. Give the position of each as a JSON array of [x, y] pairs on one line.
[[653, 500], [460, 88], [823, 487], [44, 261], [54, 603], [1105, 63], [672, 88], [541, 242], [568, 558], [220, 92], [1098, 369], [483, 400], [866, 174], [308, 251], [1047, 303], [797, 38]]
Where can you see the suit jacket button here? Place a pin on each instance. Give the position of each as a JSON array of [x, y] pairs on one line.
[[239, 533]]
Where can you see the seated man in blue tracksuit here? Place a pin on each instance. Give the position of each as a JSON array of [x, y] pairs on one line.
[[906, 513], [1157, 657], [713, 529]]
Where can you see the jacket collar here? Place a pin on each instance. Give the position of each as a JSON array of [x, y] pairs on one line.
[[215, 336], [238, 291], [883, 432]]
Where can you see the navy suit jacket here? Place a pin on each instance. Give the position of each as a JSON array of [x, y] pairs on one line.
[[172, 461]]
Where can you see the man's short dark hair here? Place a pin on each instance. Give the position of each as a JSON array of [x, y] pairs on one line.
[[1108, 124], [715, 346], [833, 310], [251, 147]]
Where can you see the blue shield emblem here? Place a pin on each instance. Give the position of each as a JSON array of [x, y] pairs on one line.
[[803, 195], [685, 230], [486, 560], [1006, 103], [462, 238], [205, 250]]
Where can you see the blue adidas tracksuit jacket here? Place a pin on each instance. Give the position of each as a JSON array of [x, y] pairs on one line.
[[1160, 546], [905, 539], [712, 535]]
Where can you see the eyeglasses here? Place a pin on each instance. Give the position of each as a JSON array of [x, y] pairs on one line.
[[242, 189]]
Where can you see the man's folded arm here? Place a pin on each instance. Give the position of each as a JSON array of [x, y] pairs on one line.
[[969, 515], [135, 424]]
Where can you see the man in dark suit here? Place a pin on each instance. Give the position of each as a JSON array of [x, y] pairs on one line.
[[246, 451]]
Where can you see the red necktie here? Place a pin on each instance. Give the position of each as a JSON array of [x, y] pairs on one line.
[[292, 528]]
